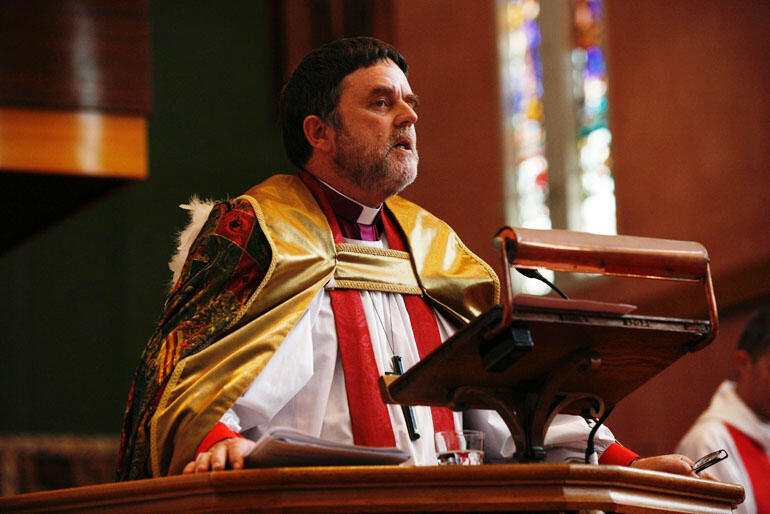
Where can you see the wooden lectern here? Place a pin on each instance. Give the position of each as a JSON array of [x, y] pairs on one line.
[[581, 359], [334, 490], [531, 362]]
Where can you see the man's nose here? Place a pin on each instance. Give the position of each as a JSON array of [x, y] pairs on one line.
[[406, 115]]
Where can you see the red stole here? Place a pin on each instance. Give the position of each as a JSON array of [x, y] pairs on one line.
[[368, 413], [757, 465]]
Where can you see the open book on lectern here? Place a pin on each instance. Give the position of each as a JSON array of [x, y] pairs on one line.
[[286, 446], [532, 358]]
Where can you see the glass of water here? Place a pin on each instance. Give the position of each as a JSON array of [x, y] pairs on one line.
[[460, 447]]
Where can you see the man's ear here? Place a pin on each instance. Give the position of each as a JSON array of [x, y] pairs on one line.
[[318, 133], [743, 361]]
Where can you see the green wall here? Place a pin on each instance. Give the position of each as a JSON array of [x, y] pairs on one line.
[[79, 301]]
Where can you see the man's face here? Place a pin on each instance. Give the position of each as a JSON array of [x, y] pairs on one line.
[[376, 144]]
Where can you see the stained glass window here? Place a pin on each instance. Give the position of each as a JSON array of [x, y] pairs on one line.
[[587, 188], [526, 171], [597, 205]]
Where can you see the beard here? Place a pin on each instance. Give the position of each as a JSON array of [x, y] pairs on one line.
[[377, 169]]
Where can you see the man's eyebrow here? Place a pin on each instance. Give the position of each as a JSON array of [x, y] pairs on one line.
[[412, 99]]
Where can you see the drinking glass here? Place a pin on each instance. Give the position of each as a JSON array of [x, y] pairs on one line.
[[460, 447]]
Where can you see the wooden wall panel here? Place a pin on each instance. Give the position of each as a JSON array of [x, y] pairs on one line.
[[74, 101], [73, 142], [452, 52], [69, 54], [302, 26], [690, 114]]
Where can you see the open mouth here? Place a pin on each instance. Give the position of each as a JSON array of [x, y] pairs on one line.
[[404, 144]]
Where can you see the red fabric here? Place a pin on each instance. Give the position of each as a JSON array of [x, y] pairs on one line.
[[757, 465], [368, 413], [218, 433], [312, 184], [427, 336], [424, 326], [618, 454], [236, 225]]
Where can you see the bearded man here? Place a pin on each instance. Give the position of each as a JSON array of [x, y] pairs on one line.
[[296, 296]]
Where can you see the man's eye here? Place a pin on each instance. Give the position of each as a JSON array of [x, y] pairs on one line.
[[381, 103]]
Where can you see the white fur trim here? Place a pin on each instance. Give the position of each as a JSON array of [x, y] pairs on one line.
[[199, 211]]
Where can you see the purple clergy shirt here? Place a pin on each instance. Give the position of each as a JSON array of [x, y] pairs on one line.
[[356, 221]]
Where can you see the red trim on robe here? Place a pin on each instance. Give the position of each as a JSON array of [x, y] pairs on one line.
[[618, 454], [757, 465], [220, 432], [424, 326], [368, 412]]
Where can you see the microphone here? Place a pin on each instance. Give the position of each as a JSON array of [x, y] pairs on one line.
[[533, 273], [591, 457]]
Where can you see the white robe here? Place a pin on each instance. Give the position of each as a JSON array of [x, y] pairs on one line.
[[303, 386], [709, 434]]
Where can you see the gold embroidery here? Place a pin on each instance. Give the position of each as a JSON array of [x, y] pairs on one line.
[[376, 286], [154, 451], [370, 250]]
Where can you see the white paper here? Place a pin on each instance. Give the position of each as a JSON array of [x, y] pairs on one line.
[[283, 446]]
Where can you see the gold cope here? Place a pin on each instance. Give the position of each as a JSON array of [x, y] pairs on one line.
[[304, 259]]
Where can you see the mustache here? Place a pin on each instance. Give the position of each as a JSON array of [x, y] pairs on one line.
[[407, 134]]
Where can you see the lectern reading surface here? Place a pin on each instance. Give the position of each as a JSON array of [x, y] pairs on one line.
[[532, 362]]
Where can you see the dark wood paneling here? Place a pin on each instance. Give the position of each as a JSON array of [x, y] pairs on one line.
[[303, 25], [62, 61], [68, 54]]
